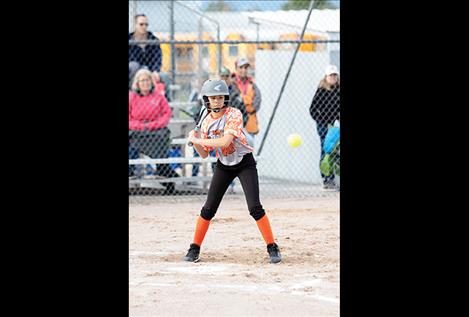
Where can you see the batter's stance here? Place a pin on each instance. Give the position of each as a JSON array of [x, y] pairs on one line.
[[222, 131]]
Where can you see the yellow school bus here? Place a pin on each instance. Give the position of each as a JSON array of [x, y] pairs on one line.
[[187, 55], [309, 47], [231, 52]]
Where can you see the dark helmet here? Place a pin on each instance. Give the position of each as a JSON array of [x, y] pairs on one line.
[[215, 87]]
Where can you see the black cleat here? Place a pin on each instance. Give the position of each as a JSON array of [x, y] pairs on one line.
[[274, 253], [193, 253]]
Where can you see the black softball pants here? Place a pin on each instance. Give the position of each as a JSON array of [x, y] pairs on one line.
[[223, 175]]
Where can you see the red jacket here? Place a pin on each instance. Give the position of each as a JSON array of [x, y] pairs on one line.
[[151, 111], [161, 88]]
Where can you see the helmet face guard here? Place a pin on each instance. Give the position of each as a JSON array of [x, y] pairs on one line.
[[215, 87], [207, 103]]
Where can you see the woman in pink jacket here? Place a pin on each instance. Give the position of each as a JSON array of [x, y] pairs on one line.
[[149, 115]]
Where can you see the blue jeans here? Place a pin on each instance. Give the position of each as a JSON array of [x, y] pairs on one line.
[[175, 152], [322, 131], [133, 154]]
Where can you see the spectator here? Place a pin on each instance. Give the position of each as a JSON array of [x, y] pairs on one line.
[[159, 85], [250, 92], [198, 114], [236, 100], [143, 55], [325, 110], [149, 115], [167, 83], [133, 68]]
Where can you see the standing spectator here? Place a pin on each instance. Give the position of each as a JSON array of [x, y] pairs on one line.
[[250, 92], [149, 115], [143, 55], [325, 110], [236, 100]]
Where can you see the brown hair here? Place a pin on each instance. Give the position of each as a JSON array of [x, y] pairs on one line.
[[325, 85], [139, 15]]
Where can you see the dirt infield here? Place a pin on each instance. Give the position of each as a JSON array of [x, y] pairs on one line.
[[234, 277]]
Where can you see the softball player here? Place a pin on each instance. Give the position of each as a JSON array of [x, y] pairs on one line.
[[222, 131]]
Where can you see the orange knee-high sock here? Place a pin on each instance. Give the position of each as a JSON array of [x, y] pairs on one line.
[[266, 231], [200, 230]]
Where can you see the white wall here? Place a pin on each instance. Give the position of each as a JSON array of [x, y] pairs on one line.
[[278, 159]]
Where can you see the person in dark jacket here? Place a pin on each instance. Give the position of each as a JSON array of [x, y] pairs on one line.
[[143, 55], [325, 110]]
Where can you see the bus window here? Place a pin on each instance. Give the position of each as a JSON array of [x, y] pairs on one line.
[[184, 53], [180, 52], [205, 51], [233, 50], [190, 53]]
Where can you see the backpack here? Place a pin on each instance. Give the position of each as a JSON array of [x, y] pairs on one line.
[[330, 164]]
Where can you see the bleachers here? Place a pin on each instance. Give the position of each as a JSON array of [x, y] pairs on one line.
[[180, 124]]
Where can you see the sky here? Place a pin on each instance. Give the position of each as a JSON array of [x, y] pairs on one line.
[[246, 5]]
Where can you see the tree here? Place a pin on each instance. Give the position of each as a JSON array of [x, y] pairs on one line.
[[254, 8], [220, 5], [325, 4], [304, 4]]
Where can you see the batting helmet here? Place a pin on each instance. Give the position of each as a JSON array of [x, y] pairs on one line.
[[215, 87]]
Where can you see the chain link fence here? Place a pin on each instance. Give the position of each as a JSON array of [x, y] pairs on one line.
[[291, 56]]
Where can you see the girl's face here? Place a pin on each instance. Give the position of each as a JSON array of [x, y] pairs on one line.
[[216, 101], [144, 83], [332, 79]]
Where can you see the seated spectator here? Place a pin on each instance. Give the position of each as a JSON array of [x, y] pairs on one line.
[[149, 115], [133, 68], [198, 114], [164, 78], [159, 86]]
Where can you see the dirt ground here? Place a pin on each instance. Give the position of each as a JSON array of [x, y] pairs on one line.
[[234, 276]]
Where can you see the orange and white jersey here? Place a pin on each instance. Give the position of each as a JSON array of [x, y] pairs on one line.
[[231, 122]]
